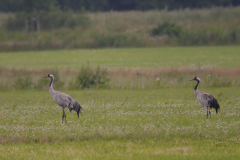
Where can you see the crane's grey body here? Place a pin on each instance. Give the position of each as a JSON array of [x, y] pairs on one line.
[[63, 100], [205, 99]]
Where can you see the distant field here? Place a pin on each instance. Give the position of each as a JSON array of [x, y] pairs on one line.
[[125, 57], [128, 68], [133, 124], [161, 121]]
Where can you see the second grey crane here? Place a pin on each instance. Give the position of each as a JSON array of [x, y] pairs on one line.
[[63, 100], [205, 99]]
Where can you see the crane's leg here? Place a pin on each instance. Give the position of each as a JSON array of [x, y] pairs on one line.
[[208, 112], [64, 115], [65, 118]]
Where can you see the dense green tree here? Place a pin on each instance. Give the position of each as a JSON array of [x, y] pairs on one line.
[[31, 5], [26, 5], [106, 5], [71, 4]]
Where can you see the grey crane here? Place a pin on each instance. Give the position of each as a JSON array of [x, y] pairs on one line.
[[205, 99], [63, 100]]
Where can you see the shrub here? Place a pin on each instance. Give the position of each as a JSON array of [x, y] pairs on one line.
[[170, 29], [23, 84], [4, 86], [42, 83], [88, 78]]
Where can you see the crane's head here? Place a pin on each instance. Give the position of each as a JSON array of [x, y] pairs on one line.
[[50, 75], [196, 79]]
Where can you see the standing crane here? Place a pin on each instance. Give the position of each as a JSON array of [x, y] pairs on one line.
[[63, 100], [205, 99]]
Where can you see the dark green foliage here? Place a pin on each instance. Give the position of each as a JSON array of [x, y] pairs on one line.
[[26, 5], [48, 20], [170, 29], [27, 83], [115, 40], [42, 83], [23, 83], [200, 36], [39, 5], [123, 5], [107, 5], [15, 23], [3, 86], [88, 78]]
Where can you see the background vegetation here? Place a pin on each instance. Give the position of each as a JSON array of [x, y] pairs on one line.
[[68, 29], [107, 5], [120, 69]]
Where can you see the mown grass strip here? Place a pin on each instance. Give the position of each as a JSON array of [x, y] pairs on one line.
[[125, 57]]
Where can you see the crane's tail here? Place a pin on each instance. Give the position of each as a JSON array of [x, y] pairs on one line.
[[214, 104], [77, 108]]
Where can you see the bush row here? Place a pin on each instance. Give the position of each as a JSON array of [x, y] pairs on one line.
[[180, 36], [99, 78], [86, 78]]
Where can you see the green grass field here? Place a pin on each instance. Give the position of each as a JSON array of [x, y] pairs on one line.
[[166, 123], [145, 124], [118, 58]]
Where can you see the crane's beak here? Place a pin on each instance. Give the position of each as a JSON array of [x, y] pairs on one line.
[[45, 77], [191, 80]]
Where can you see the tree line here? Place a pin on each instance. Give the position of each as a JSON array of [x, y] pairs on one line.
[[108, 5]]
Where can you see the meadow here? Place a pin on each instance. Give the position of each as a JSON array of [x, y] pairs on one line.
[[127, 123], [145, 124]]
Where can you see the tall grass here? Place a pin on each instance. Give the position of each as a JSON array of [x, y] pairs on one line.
[[215, 26], [110, 78]]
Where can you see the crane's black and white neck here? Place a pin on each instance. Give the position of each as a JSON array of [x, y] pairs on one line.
[[196, 87], [51, 90], [63, 100], [205, 99], [52, 79]]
